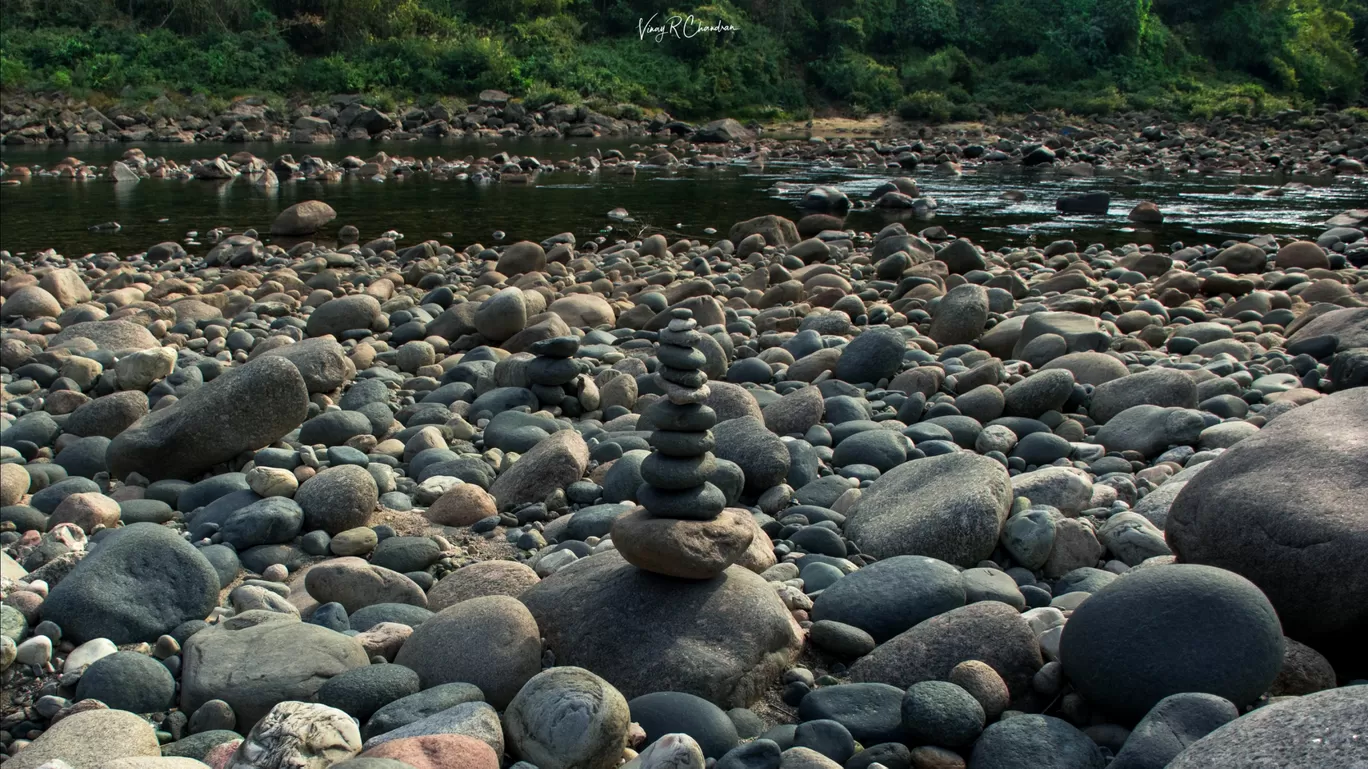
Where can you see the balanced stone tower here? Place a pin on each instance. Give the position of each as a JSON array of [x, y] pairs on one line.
[[552, 370], [683, 528]]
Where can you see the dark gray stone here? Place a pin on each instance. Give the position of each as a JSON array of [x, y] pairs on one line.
[[128, 681], [214, 423], [337, 499], [1040, 742], [360, 692], [873, 355], [667, 712], [941, 713], [761, 455], [1175, 722], [870, 711], [140, 582], [1203, 630], [270, 521], [416, 707], [887, 597], [1155, 387]]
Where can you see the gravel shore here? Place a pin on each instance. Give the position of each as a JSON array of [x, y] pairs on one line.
[[800, 497]]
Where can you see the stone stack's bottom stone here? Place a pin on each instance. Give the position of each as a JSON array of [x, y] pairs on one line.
[[681, 530], [553, 371]]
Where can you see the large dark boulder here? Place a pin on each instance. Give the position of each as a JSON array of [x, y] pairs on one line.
[[723, 639], [245, 408], [1171, 629], [137, 584], [1285, 508]]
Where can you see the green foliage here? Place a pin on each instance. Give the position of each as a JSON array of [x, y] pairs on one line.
[[925, 105], [927, 59], [859, 80], [943, 68], [13, 73]]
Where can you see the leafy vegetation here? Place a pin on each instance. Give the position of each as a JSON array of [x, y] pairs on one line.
[[926, 59]]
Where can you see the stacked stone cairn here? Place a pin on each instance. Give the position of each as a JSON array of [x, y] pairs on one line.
[[683, 528], [552, 373]]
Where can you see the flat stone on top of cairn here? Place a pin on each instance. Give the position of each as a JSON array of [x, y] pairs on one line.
[[683, 528]]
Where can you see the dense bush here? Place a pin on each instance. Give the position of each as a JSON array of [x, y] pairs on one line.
[[927, 59]]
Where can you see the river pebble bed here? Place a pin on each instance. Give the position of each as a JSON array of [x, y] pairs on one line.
[[790, 494]]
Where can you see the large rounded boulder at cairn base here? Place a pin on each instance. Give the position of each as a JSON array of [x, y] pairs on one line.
[[724, 639], [346, 313], [1172, 629], [245, 408], [303, 218], [553, 464], [568, 718], [988, 631], [139, 583], [950, 507], [1322, 730], [1286, 508], [259, 659], [491, 642], [89, 740]]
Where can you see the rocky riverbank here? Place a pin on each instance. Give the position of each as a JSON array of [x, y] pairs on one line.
[[801, 497], [1289, 142]]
